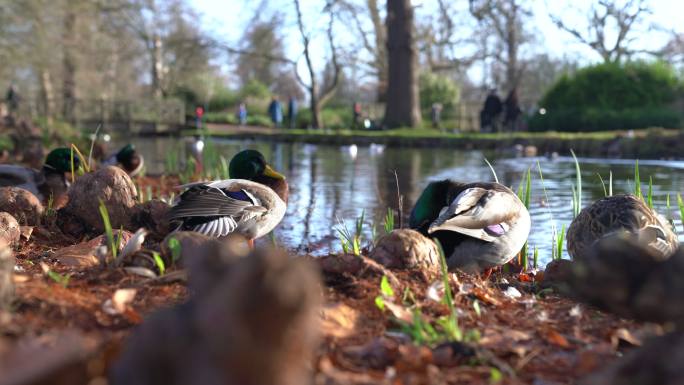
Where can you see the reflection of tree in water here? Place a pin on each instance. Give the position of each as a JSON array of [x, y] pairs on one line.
[[312, 200]]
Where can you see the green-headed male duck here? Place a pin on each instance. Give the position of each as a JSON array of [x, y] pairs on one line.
[[49, 181], [480, 225], [621, 213], [128, 159], [251, 203]]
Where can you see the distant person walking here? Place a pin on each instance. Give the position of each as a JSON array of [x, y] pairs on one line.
[[242, 113], [357, 112], [512, 111], [292, 112], [491, 112], [436, 114], [275, 111], [12, 97], [199, 112]]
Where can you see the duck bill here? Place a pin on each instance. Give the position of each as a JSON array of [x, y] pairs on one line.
[[269, 172]]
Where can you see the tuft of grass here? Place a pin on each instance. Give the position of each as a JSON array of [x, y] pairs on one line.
[[388, 223], [535, 258], [558, 244], [386, 293], [50, 211], [525, 194], [159, 262], [113, 244], [175, 247], [62, 279], [449, 323], [351, 242]]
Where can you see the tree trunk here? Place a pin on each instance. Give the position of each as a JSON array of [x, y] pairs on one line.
[[512, 43], [380, 60], [157, 67], [69, 66], [403, 103], [47, 94], [315, 106]]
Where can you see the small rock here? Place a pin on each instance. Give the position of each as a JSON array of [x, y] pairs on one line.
[[530, 151], [153, 216], [112, 186], [10, 232], [21, 204], [406, 249], [512, 293], [6, 275]]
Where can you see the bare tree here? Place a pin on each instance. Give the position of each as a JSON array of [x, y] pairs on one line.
[[318, 97], [374, 42], [504, 19], [602, 15], [403, 100]]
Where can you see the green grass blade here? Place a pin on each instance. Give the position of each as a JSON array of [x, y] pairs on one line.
[[108, 227], [649, 196], [561, 240], [637, 180], [610, 183], [603, 184], [496, 179], [578, 191]]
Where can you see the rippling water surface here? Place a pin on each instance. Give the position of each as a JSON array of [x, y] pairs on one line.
[[329, 184]]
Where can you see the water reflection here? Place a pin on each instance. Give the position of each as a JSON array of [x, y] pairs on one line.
[[332, 183]]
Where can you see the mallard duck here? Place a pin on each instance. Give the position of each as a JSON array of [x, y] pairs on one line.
[[480, 225], [251, 203], [49, 181], [619, 213], [128, 159]]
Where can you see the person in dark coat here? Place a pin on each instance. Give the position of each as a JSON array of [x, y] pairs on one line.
[[292, 112], [490, 114], [12, 98], [512, 111], [275, 111]]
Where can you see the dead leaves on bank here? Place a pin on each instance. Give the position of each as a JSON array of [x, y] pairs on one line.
[[524, 335]]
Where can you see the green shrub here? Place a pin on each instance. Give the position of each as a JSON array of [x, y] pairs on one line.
[[333, 118], [255, 89], [220, 117], [436, 88], [612, 96], [597, 119], [259, 120], [223, 99]]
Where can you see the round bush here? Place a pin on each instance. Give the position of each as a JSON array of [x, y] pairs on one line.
[[610, 97]]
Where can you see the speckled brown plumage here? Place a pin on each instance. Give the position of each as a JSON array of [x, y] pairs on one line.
[[619, 213]]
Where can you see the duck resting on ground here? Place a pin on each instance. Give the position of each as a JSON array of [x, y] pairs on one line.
[[480, 225], [128, 159], [621, 213], [49, 181], [251, 203]]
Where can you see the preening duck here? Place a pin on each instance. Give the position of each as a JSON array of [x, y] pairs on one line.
[[480, 225]]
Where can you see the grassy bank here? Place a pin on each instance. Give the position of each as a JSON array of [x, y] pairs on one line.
[[647, 143]]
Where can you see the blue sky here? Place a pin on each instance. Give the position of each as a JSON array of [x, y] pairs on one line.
[[228, 19]]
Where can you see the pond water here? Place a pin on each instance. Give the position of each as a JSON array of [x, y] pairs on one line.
[[329, 184]]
